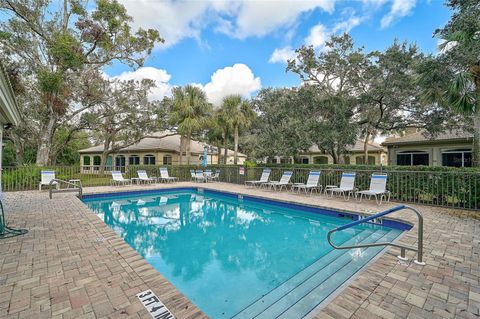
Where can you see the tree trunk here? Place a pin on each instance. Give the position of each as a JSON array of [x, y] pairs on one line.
[[219, 154], [19, 149], [189, 139], [104, 156], [182, 143], [235, 147], [19, 155], [103, 162], [334, 156], [476, 140], [45, 141], [365, 147], [225, 150]]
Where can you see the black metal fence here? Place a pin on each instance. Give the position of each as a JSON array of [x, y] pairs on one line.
[[458, 189]]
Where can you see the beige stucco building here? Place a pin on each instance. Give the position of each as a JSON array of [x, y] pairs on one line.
[[377, 155], [451, 148], [153, 151]]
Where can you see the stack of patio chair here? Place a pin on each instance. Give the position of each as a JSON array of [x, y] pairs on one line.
[[118, 179], [311, 185], [263, 179], [164, 177], [143, 177], [378, 189], [346, 188], [284, 182]]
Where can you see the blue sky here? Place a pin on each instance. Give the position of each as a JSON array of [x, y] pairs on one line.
[[240, 46]]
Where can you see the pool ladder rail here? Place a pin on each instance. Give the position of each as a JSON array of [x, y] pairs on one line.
[[403, 248], [76, 187]]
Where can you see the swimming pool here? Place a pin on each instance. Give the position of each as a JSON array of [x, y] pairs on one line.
[[240, 256]]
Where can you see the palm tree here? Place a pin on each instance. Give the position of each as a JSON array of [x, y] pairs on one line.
[[190, 112], [463, 93], [223, 122], [215, 134], [459, 63], [239, 115]]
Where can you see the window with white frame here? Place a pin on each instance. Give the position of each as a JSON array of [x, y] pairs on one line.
[[457, 158]]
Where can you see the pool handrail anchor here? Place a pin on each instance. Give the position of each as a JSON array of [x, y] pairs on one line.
[[403, 248], [76, 187]]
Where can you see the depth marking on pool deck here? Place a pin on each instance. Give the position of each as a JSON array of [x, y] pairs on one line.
[[154, 305]]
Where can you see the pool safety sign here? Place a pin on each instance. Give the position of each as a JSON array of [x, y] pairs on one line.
[[241, 170], [154, 305]]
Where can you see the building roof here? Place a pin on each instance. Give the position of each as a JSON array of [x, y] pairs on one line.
[[8, 104], [357, 147], [169, 143], [421, 137]]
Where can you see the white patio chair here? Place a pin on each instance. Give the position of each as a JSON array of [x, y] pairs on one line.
[[283, 182], [263, 179], [216, 176], [208, 175], [165, 177], [46, 178], [143, 177], [199, 177], [346, 188], [117, 179], [312, 183], [378, 189]]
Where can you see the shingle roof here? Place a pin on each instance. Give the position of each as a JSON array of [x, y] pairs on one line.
[[168, 143], [421, 137], [357, 147]]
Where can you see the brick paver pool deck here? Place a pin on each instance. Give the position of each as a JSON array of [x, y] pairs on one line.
[[71, 265]]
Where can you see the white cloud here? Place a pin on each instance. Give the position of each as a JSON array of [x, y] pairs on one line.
[[177, 20], [399, 9], [161, 78], [347, 25], [282, 55], [258, 18], [317, 36], [236, 79]]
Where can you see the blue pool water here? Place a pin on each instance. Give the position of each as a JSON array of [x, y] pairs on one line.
[[245, 258]]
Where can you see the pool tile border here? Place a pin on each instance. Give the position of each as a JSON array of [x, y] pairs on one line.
[[387, 222]]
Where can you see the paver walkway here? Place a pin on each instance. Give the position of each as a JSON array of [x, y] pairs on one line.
[[71, 265]]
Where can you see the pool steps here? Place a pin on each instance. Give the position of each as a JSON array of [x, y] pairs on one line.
[[300, 294]]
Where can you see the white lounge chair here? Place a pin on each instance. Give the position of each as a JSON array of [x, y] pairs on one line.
[[143, 177], [192, 175], [263, 179], [164, 177], [378, 188], [283, 182], [312, 183], [117, 179], [46, 178], [346, 188]]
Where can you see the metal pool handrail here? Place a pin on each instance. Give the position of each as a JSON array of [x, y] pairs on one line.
[[76, 187], [419, 248]]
